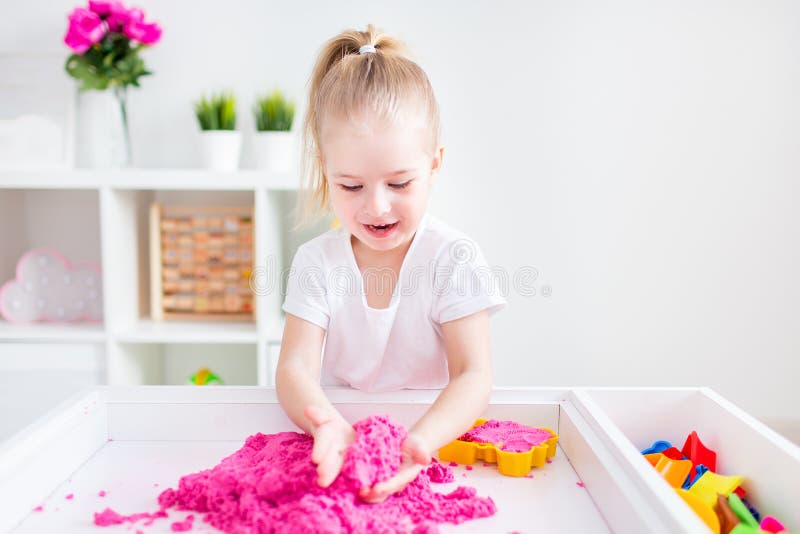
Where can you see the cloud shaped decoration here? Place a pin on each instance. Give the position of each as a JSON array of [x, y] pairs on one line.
[[48, 288]]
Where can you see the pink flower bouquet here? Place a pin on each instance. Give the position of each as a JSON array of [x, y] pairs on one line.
[[106, 39]]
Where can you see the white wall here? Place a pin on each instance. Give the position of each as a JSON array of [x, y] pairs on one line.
[[643, 157], [67, 221], [12, 241]]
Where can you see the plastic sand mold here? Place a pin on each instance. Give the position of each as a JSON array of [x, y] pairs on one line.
[[515, 464]]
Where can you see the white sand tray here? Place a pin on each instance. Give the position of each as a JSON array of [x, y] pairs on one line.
[[132, 443]]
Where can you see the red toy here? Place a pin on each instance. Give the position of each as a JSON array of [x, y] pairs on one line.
[[694, 450], [673, 453]]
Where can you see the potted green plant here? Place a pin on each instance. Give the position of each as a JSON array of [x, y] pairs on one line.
[[273, 142], [221, 143]]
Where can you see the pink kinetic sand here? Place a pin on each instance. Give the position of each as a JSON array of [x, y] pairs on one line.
[[269, 486], [183, 526], [110, 517], [507, 435], [440, 474]]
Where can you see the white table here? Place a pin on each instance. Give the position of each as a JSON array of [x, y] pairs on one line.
[[134, 442]]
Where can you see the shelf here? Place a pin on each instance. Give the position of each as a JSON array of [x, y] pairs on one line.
[[148, 331], [102, 217], [274, 331], [155, 179], [49, 333]]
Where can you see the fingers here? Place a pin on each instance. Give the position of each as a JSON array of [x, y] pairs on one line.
[[417, 458], [402, 478], [370, 495], [321, 447], [416, 450], [328, 454], [331, 438], [330, 466], [420, 457], [380, 491]]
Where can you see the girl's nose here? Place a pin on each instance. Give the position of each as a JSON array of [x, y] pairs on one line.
[[378, 203]]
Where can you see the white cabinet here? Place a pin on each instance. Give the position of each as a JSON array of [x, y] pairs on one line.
[[102, 216]]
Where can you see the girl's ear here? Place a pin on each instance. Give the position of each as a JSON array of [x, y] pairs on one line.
[[436, 163]]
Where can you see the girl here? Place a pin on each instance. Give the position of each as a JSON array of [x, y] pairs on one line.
[[395, 298]]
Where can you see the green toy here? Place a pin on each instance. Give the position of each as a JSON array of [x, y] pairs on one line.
[[204, 377]]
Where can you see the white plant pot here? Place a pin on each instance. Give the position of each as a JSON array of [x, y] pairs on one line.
[[220, 149], [274, 151]]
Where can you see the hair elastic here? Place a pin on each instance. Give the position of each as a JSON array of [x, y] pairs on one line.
[[367, 49]]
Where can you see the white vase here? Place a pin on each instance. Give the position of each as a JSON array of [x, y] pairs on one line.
[[102, 139], [220, 149], [274, 151]]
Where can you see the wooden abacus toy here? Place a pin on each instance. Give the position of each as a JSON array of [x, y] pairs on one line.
[[201, 259]]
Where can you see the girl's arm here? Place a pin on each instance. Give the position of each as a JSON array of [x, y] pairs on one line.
[[458, 405], [466, 396], [302, 398]]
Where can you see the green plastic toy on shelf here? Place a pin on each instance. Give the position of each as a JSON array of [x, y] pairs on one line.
[[204, 377]]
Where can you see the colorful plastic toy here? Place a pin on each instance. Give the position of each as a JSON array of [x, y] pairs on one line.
[[770, 524], [742, 511], [515, 464], [727, 517], [673, 453], [698, 453], [701, 508], [204, 377], [657, 446], [741, 528], [673, 471], [694, 475], [710, 484], [752, 509], [691, 472]]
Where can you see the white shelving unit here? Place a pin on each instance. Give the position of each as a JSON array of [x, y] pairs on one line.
[[102, 216]]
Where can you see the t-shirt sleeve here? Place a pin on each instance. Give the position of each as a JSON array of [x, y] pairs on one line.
[[464, 283], [306, 289]]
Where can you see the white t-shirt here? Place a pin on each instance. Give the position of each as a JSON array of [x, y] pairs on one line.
[[443, 277]]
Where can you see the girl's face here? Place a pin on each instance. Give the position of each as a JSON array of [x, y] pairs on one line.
[[380, 178]]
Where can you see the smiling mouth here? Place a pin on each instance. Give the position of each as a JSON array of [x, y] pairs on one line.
[[380, 229]]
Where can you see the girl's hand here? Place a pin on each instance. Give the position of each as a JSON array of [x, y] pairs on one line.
[[415, 457], [332, 434]]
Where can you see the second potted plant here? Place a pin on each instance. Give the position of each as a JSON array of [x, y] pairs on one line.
[[221, 144], [273, 143]]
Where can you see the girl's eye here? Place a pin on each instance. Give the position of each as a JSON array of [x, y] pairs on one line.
[[353, 188]]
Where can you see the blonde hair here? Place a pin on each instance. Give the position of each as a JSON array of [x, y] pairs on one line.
[[345, 83]]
